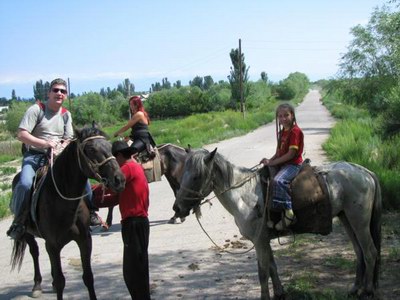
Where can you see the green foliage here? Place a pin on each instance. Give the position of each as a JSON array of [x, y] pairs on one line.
[[201, 129], [8, 170], [356, 138], [239, 70], [295, 85], [15, 113], [370, 69], [94, 107], [390, 117], [260, 93], [4, 205]]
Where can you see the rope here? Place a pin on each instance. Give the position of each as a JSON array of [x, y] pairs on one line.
[[215, 244], [255, 169]]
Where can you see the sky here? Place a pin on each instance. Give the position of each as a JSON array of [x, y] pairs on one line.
[[97, 44]]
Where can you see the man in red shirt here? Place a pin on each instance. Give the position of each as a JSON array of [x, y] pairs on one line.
[[135, 228]]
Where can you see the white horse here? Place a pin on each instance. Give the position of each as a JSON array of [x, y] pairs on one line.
[[355, 197]]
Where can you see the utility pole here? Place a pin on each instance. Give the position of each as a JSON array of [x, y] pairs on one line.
[[242, 109], [69, 95]]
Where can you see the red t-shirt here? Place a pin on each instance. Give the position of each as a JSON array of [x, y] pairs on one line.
[[292, 139], [134, 199]]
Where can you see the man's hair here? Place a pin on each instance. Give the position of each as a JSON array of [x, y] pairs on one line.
[[58, 81]]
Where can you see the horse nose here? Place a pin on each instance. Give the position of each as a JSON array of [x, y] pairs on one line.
[[119, 181], [176, 208]]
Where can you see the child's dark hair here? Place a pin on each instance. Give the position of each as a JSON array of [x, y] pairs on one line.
[[279, 126]]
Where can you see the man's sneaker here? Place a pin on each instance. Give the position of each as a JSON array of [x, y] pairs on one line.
[[16, 231], [95, 220]]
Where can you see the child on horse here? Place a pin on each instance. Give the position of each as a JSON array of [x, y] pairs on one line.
[[288, 158]]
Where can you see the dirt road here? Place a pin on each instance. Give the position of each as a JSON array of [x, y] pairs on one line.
[[183, 261]]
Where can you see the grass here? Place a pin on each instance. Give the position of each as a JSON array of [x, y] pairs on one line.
[[201, 129], [355, 138], [4, 205], [7, 170]]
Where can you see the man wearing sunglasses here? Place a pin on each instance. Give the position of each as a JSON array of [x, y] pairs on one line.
[[39, 135]]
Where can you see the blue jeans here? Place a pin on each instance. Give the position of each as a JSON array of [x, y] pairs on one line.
[[30, 164], [22, 191], [281, 186]]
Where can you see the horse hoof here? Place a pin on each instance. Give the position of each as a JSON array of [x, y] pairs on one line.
[[183, 220], [36, 293]]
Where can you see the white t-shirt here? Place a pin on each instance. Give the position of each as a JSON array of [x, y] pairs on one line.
[[51, 127]]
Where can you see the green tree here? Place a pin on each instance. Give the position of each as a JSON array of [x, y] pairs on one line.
[[14, 115], [197, 81], [238, 70], [208, 82], [264, 77], [126, 87], [178, 84], [40, 90]]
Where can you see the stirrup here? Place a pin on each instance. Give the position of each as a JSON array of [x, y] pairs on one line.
[[285, 222]]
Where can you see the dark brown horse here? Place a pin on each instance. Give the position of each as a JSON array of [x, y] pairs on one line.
[[61, 215], [172, 162]]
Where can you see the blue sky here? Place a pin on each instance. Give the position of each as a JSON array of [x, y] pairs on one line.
[[100, 43]]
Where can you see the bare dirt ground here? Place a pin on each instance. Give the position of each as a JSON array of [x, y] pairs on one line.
[[184, 263]]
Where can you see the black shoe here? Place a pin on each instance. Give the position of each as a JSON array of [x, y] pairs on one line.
[[95, 220], [16, 231]]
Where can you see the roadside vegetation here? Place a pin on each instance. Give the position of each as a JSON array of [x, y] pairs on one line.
[[195, 121]]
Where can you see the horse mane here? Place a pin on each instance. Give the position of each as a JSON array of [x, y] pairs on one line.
[[86, 132], [223, 167]]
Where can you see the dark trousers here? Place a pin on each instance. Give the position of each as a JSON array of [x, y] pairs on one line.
[[135, 235]]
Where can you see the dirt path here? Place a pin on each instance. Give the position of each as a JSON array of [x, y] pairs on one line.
[[183, 261]]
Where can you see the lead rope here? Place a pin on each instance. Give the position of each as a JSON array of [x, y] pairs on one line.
[[198, 214]]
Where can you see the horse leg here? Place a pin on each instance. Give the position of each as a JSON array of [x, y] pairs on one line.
[[263, 261], [37, 279], [56, 269], [110, 216], [359, 257], [273, 271], [85, 248], [366, 255]]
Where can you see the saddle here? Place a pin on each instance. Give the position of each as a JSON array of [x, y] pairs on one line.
[[310, 202], [151, 162]]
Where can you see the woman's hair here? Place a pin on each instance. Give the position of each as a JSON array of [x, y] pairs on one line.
[[279, 126], [139, 104]]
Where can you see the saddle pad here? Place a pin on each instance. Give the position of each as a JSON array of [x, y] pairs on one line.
[[311, 203], [152, 168], [37, 186]]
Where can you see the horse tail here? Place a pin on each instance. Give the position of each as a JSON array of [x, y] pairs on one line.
[[375, 226], [18, 252]]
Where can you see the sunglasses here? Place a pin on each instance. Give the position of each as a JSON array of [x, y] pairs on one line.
[[55, 90]]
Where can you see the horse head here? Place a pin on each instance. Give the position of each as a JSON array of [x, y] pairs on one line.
[[96, 160], [196, 181]]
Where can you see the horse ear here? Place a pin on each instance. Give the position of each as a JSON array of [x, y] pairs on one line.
[[77, 131], [94, 125], [188, 149], [210, 156]]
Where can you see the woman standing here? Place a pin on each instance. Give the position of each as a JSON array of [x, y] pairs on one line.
[[138, 123]]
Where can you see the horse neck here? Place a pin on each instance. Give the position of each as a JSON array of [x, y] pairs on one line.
[[233, 186], [66, 167], [241, 196]]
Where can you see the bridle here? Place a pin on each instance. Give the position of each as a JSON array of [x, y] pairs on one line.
[[201, 195], [196, 208], [94, 167]]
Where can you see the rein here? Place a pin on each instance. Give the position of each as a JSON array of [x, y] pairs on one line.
[[93, 166], [255, 170]]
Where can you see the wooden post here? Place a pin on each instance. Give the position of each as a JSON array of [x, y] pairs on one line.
[[69, 95], [242, 109]]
